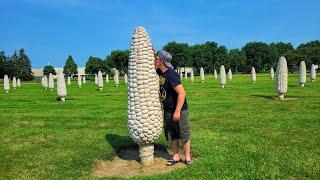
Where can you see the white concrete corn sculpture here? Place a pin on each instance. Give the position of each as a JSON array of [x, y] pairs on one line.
[[83, 79], [202, 74], [144, 108], [253, 75], [230, 75], [181, 76], [215, 74], [96, 79], [45, 81], [107, 78], [42, 81], [69, 80], [282, 77], [14, 82], [185, 75], [271, 73], [313, 73], [6, 84], [79, 81], [302, 73], [222, 76], [192, 76], [51, 82], [116, 78], [18, 83], [61, 87], [100, 80], [125, 78]]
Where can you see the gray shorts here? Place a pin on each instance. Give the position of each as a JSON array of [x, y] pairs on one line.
[[177, 129]]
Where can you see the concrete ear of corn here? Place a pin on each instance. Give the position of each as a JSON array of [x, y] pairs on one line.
[[202, 74], [61, 87], [6, 84], [282, 77], [144, 108], [51, 82], [271, 73], [253, 75], [100, 80], [302, 73], [222, 76]]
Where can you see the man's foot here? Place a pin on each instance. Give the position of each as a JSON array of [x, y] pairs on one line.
[[172, 162], [188, 162]]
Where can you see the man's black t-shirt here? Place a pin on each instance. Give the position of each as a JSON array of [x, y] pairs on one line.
[[169, 80]]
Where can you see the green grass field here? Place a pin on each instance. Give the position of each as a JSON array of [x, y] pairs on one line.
[[238, 132]]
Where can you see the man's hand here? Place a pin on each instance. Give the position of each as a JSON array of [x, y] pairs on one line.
[[176, 116]]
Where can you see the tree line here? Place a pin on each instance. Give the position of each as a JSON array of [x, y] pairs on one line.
[[17, 65], [208, 55]]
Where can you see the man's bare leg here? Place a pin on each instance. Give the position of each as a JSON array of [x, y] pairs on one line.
[[175, 149], [186, 147]]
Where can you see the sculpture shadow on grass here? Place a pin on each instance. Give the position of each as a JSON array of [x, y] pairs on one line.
[[264, 96], [126, 149], [275, 97]]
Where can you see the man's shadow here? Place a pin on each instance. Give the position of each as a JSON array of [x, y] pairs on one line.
[[126, 149]]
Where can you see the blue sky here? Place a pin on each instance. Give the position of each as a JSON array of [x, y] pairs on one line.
[[50, 30]]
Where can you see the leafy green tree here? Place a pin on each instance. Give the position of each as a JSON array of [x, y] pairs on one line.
[[257, 54], [222, 54], [179, 52], [196, 56], [118, 59], [94, 65], [2, 64], [237, 60], [24, 66], [311, 44], [283, 48], [210, 56], [70, 68], [48, 69]]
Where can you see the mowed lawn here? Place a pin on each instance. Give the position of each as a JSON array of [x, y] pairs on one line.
[[241, 131]]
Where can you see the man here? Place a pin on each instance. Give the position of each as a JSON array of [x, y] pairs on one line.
[[173, 97]]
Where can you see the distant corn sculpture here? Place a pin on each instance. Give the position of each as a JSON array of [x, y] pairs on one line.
[[6, 84], [302, 73], [45, 81], [79, 81], [192, 76], [83, 79], [282, 77], [61, 87], [100, 80], [271, 73], [107, 78], [14, 82], [222, 76], [18, 83], [202, 75], [230, 75], [125, 79], [253, 75], [96, 79], [69, 80], [313, 73], [215, 74], [51, 82], [116, 78]]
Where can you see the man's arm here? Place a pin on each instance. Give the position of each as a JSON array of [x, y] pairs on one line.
[[181, 97]]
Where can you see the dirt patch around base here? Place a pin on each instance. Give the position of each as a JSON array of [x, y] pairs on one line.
[[126, 164]]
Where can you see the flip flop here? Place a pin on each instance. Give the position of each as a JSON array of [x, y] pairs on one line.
[[172, 162], [188, 163]]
